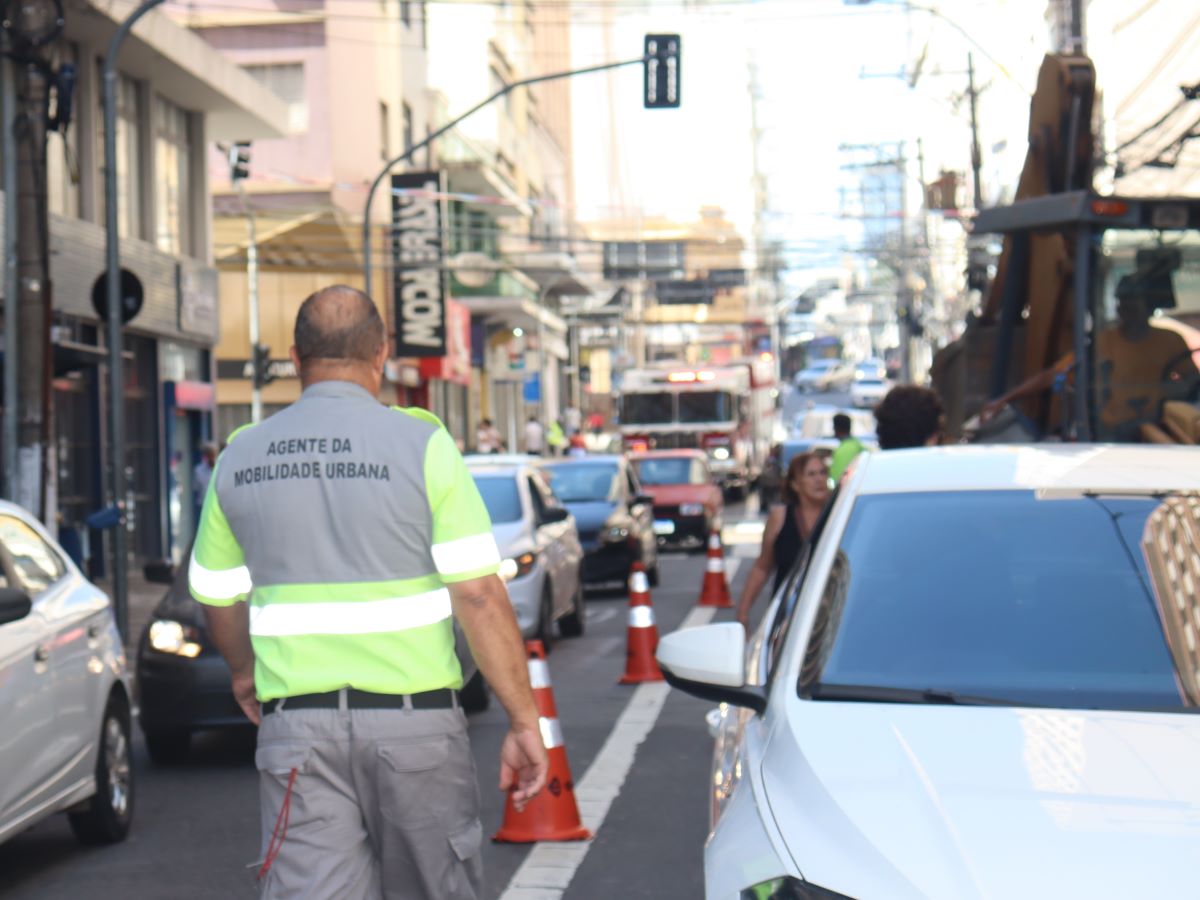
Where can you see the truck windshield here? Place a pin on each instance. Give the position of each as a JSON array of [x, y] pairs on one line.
[[646, 409], [706, 406]]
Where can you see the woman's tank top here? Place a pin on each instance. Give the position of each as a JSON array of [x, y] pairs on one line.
[[788, 544]]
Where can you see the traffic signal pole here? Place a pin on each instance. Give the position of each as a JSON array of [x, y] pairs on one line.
[[252, 297], [411, 152], [116, 385]]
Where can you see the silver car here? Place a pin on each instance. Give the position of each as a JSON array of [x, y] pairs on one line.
[[65, 707], [539, 545]]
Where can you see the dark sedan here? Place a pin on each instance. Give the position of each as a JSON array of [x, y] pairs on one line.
[[615, 517], [184, 683]]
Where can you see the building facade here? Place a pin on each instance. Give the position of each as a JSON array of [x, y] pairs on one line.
[[174, 96]]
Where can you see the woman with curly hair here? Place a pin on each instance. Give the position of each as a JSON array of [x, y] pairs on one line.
[[909, 416], [789, 525]]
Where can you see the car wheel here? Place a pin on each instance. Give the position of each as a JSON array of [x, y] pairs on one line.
[[571, 625], [545, 629], [106, 817], [168, 747], [475, 697]]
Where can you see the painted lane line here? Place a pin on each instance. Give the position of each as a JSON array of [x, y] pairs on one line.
[[548, 869]]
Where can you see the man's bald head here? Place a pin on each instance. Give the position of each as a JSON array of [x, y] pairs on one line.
[[339, 324]]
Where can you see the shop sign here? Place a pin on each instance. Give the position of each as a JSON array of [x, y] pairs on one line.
[[418, 264], [243, 369], [455, 366]]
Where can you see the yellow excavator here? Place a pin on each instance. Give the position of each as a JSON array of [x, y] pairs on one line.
[[1082, 332]]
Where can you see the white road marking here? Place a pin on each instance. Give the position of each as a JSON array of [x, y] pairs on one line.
[[549, 867]]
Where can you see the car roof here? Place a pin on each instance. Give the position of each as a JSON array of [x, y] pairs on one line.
[[583, 460], [668, 454], [498, 459], [487, 471], [1070, 468]]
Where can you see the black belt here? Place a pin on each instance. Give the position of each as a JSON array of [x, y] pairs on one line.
[[445, 698]]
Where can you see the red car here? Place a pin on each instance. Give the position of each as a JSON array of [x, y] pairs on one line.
[[688, 504]]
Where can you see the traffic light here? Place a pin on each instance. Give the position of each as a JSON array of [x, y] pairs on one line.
[[239, 161], [261, 363], [660, 71]]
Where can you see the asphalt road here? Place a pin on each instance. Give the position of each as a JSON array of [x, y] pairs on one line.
[[195, 833]]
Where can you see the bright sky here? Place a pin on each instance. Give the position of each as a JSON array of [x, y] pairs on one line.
[[816, 62]]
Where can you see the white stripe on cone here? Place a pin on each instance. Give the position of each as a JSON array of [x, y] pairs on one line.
[[539, 674], [641, 617], [716, 564], [552, 735], [714, 541], [638, 583]]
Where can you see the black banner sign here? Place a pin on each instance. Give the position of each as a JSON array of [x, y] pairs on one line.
[[418, 265], [727, 278], [244, 368], [695, 291]]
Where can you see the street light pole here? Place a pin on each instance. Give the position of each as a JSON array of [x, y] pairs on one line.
[[252, 296], [411, 152], [116, 387]]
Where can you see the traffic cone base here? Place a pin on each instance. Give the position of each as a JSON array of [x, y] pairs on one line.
[[642, 641], [553, 815], [715, 589]]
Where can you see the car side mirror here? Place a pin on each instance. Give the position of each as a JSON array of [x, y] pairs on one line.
[[709, 662], [159, 571], [15, 605], [554, 514]]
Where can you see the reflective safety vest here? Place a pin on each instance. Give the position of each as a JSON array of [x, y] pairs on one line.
[[343, 521]]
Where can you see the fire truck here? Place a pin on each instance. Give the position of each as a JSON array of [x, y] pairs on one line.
[[726, 410]]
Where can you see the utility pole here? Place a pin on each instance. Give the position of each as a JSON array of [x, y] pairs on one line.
[[33, 27], [239, 171], [976, 154], [8, 116], [904, 297]]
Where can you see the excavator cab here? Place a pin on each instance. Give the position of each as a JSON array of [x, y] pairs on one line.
[[1091, 324]]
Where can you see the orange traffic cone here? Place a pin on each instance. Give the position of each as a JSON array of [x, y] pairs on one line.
[[552, 815], [640, 664], [715, 590]]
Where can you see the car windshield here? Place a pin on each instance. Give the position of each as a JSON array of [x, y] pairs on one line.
[[500, 496], [664, 471], [646, 409], [705, 406], [583, 482], [1037, 598]]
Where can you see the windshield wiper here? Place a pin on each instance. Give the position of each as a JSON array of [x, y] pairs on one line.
[[876, 693]]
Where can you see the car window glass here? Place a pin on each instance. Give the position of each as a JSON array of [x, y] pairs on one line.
[[585, 482], [500, 496], [36, 564]]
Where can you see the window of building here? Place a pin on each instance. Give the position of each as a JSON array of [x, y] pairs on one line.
[[130, 173], [406, 13], [286, 81], [172, 170], [62, 159], [407, 125], [385, 131]]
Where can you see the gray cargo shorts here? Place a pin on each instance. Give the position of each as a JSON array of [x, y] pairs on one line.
[[385, 804]]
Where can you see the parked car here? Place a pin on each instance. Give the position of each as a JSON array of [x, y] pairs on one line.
[[870, 384], [836, 378], [183, 682], [539, 546], [688, 504], [808, 379], [615, 517], [65, 699], [986, 657]]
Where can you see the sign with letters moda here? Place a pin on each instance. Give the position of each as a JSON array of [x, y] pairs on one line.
[[419, 264]]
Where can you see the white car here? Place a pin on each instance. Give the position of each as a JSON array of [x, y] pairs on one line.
[[808, 379], [65, 700], [983, 682], [539, 544], [817, 422], [866, 392]]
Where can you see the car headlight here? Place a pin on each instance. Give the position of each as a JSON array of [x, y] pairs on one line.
[[691, 509], [721, 453], [517, 566], [788, 888], [168, 636], [614, 535]]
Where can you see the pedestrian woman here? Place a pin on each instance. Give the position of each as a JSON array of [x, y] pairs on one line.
[[789, 526]]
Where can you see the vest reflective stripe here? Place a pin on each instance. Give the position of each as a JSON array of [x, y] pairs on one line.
[[466, 554], [350, 617], [219, 584]]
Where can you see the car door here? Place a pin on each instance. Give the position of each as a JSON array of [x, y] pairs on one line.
[[27, 708], [74, 616], [567, 537]]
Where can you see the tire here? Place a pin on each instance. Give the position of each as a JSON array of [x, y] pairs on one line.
[[475, 697], [108, 814], [167, 748], [545, 629], [571, 625]]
